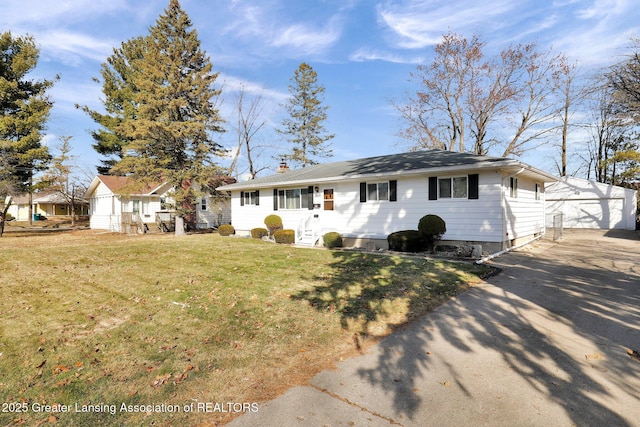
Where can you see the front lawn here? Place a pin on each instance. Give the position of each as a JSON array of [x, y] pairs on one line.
[[158, 330]]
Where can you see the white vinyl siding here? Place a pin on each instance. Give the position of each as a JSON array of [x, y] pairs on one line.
[[468, 220], [525, 215]]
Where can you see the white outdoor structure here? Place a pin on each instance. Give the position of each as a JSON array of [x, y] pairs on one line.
[[493, 201], [111, 196], [589, 204]]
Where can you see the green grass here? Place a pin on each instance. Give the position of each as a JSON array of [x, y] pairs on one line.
[[102, 319]]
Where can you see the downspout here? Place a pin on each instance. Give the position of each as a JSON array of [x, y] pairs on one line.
[[504, 251]]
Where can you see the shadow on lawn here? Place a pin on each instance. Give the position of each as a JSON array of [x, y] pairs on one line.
[[363, 288], [594, 296]]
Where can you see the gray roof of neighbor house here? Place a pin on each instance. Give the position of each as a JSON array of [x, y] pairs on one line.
[[403, 164]]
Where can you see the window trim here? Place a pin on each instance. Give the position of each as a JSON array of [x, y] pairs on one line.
[[473, 187], [306, 198], [513, 187], [452, 187], [250, 198], [392, 191]]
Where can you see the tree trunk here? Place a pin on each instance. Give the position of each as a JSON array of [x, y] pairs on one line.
[[179, 226], [3, 215]]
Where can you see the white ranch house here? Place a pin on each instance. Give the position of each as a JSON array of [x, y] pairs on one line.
[[495, 202], [112, 199]]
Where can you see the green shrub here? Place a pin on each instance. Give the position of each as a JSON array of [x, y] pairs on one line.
[[8, 217], [432, 228], [286, 237], [226, 230], [273, 223], [332, 239], [406, 241], [259, 233]]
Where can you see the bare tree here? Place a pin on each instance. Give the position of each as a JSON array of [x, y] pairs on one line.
[[436, 115], [250, 121], [463, 91], [61, 177]]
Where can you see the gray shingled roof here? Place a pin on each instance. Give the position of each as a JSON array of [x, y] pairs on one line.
[[416, 162]]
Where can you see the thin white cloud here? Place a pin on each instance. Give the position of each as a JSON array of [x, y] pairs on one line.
[[70, 48], [595, 37], [19, 13], [418, 24], [271, 30], [309, 38], [602, 8], [367, 54], [233, 84]]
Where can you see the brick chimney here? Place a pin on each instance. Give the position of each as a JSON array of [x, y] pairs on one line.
[[283, 167]]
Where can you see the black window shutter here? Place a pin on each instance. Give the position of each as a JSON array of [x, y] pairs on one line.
[[363, 192], [257, 197], [433, 188], [393, 191], [242, 198], [275, 199], [310, 197], [473, 186]]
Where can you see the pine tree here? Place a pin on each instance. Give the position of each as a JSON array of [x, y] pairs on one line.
[[304, 128], [119, 88], [24, 110], [163, 116]]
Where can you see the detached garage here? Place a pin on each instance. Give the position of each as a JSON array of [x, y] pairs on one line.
[[589, 204]]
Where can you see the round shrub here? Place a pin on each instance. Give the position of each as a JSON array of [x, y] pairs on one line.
[[259, 233], [432, 228], [273, 223], [226, 230], [332, 239], [286, 237], [406, 241]]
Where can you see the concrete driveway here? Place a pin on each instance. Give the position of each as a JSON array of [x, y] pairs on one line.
[[545, 342]]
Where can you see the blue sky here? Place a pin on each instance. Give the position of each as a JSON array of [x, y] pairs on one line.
[[362, 50]]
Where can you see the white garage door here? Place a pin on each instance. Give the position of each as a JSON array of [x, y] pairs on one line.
[[604, 214]]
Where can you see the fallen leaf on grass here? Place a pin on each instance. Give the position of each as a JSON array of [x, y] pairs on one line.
[[178, 378], [161, 379], [41, 364], [59, 369]]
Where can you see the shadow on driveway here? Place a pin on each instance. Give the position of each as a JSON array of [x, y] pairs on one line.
[[545, 341]]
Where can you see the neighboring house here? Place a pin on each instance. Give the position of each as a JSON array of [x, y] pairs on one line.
[[55, 204], [589, 204], [19, 208], [47, 205], [496, 202], [116, 201]]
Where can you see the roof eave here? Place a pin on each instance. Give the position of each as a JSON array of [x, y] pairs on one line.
[[498, 165]]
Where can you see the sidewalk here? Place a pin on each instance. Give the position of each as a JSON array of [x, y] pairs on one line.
[[545, 343]]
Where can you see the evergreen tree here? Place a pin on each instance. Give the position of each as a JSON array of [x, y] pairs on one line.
[[24, 110], [162, 115], [304, 128], [119, 88]]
